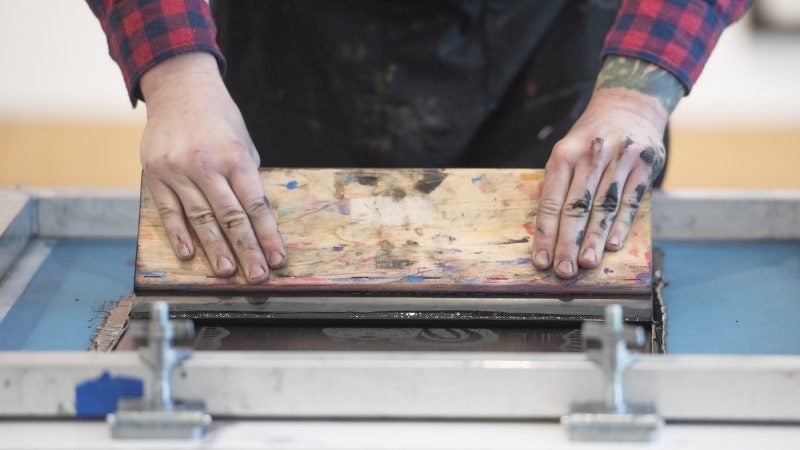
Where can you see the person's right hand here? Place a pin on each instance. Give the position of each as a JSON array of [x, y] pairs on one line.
[[202, 169]]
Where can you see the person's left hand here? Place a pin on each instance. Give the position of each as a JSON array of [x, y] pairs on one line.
[[595, 179]]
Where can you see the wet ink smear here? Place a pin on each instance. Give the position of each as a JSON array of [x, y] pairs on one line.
[[579, 239], [628, 142], [648, 155], [431, 180], [583, 203], [597, 144], [640, 190], [611, 200], [367, 180]]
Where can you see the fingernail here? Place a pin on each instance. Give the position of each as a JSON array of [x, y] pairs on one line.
[[256, 272], [565, 267], [183, 250], [275, 259], [614, 242], [224, 264], [589, 255], [542, 260]]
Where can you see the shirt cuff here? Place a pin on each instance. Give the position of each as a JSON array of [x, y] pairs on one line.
[[142, 33], [678, 36]]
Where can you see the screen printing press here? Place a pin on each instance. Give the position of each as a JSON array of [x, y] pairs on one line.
[[409, 316]]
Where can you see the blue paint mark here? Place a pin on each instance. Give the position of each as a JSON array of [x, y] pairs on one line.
[[516, 261], [476, 179], [152, 274], [348, 177], [446, 266], [343, 208], [291, 185], [607, 270], [337, 248], [415, 278], [98, 397]]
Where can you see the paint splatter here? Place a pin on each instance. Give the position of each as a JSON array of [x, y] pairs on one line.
[[343, 208], [431, 179], [291, 185], [337, 248], [607, 270], [529, 228], [515, 241], [414, 278], [367, 180], [476, 179], [515, 261]]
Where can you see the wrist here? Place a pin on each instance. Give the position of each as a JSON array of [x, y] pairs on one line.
[[172, 79], [632, 101]]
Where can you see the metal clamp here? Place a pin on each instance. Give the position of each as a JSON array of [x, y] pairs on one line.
[[158, 415], [612, 419]]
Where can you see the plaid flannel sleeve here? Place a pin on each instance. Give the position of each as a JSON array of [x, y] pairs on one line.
[[142, 33], [677, 35]]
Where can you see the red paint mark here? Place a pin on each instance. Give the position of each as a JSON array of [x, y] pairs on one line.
[[292, 245], [647, 255], [531, 88], [492, 278], [634, 251], [529, 228]]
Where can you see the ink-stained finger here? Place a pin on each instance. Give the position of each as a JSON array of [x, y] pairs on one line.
[[171, 212], [201, 218], [555, 185], [635, 187], [235, 223], [575, 214], [606, 203], [248, 188]]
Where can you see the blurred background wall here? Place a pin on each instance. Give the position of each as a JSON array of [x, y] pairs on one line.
[[65, 119]]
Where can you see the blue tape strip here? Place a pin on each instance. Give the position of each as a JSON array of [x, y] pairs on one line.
[[98, 397]]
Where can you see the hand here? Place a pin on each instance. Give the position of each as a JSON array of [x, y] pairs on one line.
[[201, 165], [595, 178]]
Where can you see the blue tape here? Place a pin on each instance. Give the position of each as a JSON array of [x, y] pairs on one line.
[[98, 397]]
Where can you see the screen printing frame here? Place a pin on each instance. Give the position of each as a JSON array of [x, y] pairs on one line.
[[411, 385]]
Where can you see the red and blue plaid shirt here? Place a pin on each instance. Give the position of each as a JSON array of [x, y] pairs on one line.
[[677, 35]]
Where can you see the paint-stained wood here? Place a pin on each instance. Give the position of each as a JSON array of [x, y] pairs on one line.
[[400, 230]]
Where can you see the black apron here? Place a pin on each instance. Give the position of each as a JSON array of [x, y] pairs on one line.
[[420, 83]]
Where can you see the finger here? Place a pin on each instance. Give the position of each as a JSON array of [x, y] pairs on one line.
[[575, 214], [236, 225], [635, 187], [171, 212], [202, 220], [606, 205], [249, 189], [557, 177]]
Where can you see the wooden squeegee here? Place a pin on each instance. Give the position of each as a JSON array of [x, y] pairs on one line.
[[408, 232]]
